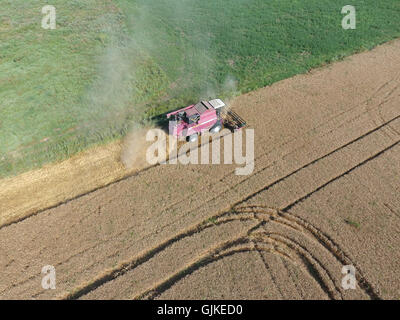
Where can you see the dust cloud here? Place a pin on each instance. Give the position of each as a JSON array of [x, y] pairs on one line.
[[115, 95], [133, 155]]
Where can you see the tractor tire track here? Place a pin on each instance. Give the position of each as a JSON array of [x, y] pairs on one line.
[[137, 260], [324, 239]]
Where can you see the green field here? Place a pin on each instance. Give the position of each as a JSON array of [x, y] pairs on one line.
[[113, 63]]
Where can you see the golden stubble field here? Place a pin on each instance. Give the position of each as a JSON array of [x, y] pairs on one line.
[[324, 193]]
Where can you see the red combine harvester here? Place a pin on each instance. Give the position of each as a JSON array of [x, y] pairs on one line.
[[210, 116]]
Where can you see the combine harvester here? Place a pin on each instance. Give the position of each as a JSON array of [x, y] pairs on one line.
[[206, 116]]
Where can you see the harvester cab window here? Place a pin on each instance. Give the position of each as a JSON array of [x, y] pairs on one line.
[[181, 116]]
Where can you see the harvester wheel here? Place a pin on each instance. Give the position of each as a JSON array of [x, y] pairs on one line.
[[217, 128], [192, 138]]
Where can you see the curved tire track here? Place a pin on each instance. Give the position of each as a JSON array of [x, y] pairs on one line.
[[254, 240]]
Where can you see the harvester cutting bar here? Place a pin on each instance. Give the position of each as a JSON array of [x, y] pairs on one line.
[[233, 120]]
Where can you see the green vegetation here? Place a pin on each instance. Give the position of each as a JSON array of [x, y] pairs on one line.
[[212, 220], [112, 63], [352, 223]]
